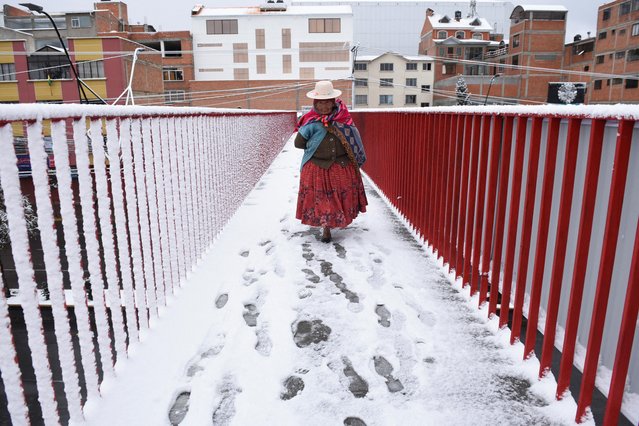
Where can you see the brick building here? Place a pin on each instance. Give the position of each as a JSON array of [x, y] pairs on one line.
[[452, 41], [616, 51], [98, 42]]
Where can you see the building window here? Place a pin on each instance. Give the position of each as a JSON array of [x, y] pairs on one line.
[[516, 41], [411, 66], [259, 38], [75, 22], [424, 104], [385, 82], [617, 81], [361, 99], [411, 99], [361, 82], [624, 8], [8, 72], [91, 69], [587, 68], [425, 88], [635, 30], [478, 36], [411, 82], [386, 67], [241, 74], [442, 51], [620, 55], [172, 74], [287, 66], [221, 26], [632, 83], [171, 96], [622, 32], [426, 66], [597, 85], [327, 25], [546, 57], [602, 35], [361, 66], [260, 62], [635, 5], [515, 60], [606, 14], [600, 59], [449, 69], [386, 99], [460, 35], [286, 38], [80, 22], [240, 53], [442, 34]]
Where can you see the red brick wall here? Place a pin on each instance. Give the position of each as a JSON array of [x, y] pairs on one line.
[[293, 99]]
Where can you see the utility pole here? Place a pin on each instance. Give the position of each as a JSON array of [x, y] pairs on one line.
[[354, 49]]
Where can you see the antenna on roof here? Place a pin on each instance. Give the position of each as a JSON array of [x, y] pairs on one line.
[[473, 9]]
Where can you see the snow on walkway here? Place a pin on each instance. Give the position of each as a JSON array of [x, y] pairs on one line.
[[276, 328]]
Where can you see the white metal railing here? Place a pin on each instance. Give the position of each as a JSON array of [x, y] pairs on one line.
[[155, 186]]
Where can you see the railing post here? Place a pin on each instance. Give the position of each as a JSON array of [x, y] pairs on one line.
[[529, 208], [459, 146], [472, 196], [481, 198], [611, 233], [463, 214], [513, 219], [542, 235], [567, 189], [593, 164], [504, 172], [494, 163]]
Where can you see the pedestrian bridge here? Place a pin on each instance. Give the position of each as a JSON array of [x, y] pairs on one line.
[[232, 312]]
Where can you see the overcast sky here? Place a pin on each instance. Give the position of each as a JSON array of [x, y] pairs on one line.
[[175, 14]]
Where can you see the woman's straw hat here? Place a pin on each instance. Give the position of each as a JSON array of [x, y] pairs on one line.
[[323, 90]]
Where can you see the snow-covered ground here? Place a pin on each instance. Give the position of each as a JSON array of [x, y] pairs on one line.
[[276, 328]]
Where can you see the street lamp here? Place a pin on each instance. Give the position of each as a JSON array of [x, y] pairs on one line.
[[492, 79], [39, 9]]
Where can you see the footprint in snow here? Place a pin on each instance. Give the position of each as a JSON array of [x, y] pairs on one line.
[[179, 408], [225, 410], [384, 369], [384, 315]]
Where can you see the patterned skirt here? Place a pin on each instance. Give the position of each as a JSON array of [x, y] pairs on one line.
[[330, 197]]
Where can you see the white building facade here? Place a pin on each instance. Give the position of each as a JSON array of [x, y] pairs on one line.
[[272, 42], [392, 80]]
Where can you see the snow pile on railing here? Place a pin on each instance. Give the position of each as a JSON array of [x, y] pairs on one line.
[[127, 200]]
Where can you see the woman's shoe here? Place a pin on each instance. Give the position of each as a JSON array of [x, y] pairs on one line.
[[326, 235]]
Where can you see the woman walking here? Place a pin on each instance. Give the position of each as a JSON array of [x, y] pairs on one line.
[[331, 192]]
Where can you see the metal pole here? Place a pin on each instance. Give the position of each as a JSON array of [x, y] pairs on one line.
[[81, 91]]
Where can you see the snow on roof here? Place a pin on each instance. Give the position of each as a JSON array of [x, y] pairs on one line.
[[290, 10], [544, 8], [462, 24]]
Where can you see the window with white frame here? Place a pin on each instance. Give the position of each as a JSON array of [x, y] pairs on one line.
[[411, 82], [385, 82], [411, 99], [361, 99], [478, 36], [635, 30], [91, 69], [75, 22], [361, 66], [174, 96], [411, 66], [460, 35], [361, 82], [386, 67], [386, 99], [442, 34], [172, 74], [7, 72]]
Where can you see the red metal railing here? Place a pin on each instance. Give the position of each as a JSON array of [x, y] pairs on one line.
[[459, 176]]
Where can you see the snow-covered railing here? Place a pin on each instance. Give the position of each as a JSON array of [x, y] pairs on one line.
[[127, 200], [554, 185]]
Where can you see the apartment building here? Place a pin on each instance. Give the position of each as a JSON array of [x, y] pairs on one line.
[[453, 40], [269, 56], [616, 51], [97, 41], [393, 80]]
